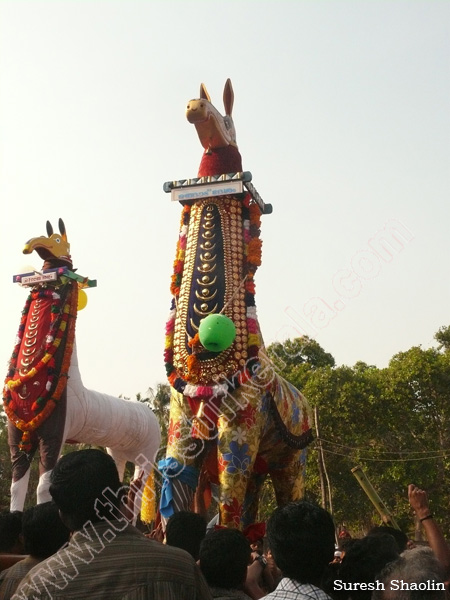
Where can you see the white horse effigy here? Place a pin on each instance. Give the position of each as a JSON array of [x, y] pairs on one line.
[[44, 396]]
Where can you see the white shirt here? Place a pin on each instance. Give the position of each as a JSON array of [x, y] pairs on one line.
[[289, 589]]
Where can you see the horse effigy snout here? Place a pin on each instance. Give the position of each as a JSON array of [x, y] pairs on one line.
[[196, 111]]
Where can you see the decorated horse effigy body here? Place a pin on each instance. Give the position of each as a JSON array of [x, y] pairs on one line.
[[45, 399], [231, 415]]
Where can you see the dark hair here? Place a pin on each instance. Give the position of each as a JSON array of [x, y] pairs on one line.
[[78, 480], [186, 530], [301, 538], [344, 545], [224, 557], [43, 531], [400, 537], [364, 560], [10, 529]]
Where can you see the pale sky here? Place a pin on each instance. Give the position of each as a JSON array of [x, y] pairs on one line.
[[342, 116]]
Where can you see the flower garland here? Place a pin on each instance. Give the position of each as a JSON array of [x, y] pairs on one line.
[[178, 266], [62, 322], [252, 252]]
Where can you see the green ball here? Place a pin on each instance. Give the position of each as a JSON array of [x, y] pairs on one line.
[[216, 332]]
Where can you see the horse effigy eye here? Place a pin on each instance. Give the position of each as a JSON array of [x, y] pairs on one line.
[[57, 240]]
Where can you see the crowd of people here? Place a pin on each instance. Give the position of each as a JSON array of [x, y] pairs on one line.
[[82, 545]]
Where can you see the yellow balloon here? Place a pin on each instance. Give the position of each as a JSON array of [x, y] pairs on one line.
[[82, 299]]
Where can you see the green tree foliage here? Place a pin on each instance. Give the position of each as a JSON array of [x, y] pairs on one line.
[[394, 422], [417, 392], [443, 337], [292, 354]]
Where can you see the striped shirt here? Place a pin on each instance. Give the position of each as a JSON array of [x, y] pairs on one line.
[[109, 561], [289, 589], [10, 578]]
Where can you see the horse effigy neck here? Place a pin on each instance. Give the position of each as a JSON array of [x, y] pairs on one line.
[[219, 161], [218, 253], [55, 263], [39, 365]]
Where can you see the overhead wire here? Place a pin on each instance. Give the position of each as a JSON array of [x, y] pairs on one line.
[[352, 451], [366, 449], [369, 458]]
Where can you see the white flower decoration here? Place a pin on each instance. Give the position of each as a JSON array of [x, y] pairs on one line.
[[226, 498], [239, 435], [251, 312]]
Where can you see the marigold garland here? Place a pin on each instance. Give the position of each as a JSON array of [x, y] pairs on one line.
[[194, 341], [180, 254], [252, 253], [191, 362], [62, 324]]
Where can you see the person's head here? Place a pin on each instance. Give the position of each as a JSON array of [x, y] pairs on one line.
[[224, 557], [301, 538], [186, 530], [78, 480], [418, 566], [43, 531], [364, 560], [400, 537], [10, 532]]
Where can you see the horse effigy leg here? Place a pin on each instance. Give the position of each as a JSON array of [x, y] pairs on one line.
[[21, 463], [252, 497], [19, 491], [179, 470], [239, 430], [121, 461], [236, 455], [289, 482], [51, 439]]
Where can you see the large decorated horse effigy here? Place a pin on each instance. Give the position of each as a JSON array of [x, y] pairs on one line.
[[233, 419], [44, 397]]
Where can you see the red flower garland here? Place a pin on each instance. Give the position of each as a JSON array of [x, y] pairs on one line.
[[64, 320]]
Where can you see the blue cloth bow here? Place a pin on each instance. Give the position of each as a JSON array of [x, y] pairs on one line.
[[171, 468]]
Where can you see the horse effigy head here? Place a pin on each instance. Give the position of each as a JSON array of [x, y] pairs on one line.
[[214, 130], [54, 248]]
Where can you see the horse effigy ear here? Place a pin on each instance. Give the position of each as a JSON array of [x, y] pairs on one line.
[[62, 229], [228, 97], [204, 93], [49, 228]]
